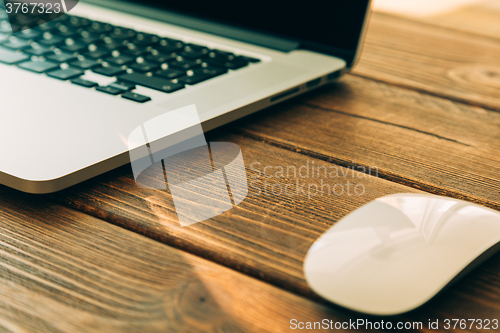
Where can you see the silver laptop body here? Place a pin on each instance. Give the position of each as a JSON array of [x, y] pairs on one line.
[[54, 134]]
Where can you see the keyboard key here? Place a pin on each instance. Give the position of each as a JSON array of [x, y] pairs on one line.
[[228, 64], [123, 86], [39, 66], [46, 27], [184, 64], [65, 74], [5, 27], [72, 46], [65, 31], [207, 69], [85, 64], [109, 71], [198, 75], [95, 54], [134, 50], [136, 97], [3, 37], [111, 44], [78, 22], [100, 28], [249, 59], [50, 40], [87, 37], [144, 67], [28, 34], [119, 60], [226, 59], [37, 50], [15, 43], [168, 45], [122, 33], [151, 82], [84, 83], [161, 58], [170, 73], [221, 56], [110, 90], [145, 39], [61, 57], [10, 57], [193, 51]]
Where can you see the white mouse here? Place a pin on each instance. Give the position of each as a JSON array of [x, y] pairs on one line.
[[397, 252]]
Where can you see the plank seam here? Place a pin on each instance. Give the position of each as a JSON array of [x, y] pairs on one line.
[[411, 183], [429, 24], [384, 122], [427, 92]]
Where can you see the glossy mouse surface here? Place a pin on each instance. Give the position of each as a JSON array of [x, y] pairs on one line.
[[395, 253]]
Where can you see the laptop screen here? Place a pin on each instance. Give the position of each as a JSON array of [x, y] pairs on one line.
[[331, 22], [328, 26]]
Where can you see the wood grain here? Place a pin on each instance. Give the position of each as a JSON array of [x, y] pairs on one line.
[[457, 65], [266, 236], [429, 143], [480, 18], [64, 271]]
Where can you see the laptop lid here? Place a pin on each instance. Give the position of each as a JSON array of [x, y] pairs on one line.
[[334, 27]]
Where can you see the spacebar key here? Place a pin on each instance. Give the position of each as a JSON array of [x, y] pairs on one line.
[[151, 82]]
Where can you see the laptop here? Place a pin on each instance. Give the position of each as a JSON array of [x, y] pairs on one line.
[[74, 88]]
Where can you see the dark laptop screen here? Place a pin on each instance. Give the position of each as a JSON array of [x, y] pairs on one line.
[[331, 26]]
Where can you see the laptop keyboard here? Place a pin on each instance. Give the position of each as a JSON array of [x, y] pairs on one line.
[[68, 46]]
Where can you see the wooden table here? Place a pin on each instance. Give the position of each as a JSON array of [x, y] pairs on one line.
[[422, 108]]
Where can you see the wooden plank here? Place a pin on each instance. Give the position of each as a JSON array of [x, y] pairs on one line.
[[266, 236], [477, 17], [444, 62], [429, 143], [64, 271]]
